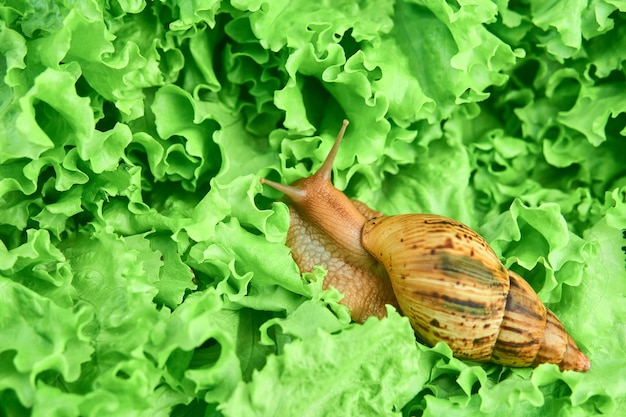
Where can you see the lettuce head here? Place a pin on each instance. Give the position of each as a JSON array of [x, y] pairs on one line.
[[143, 269]]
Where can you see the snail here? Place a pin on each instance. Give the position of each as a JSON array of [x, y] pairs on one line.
[[435, 270]]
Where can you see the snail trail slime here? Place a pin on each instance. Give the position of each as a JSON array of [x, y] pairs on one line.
[[436, 271]]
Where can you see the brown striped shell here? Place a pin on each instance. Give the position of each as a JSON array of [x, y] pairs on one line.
[[438, 272], [453, 288]]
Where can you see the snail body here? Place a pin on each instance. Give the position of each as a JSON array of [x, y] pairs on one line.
[[435, 270]]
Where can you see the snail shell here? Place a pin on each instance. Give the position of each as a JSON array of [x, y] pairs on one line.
[[453, 288], [438, 272]]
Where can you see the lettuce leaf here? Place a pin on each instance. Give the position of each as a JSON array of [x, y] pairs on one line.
[[143, 267], [383, 375]]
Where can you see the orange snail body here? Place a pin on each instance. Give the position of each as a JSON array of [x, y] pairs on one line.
[[438, 272]]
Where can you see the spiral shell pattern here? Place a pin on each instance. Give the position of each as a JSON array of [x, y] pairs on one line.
[[453, 288]]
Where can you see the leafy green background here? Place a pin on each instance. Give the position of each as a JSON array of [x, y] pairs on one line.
[[143, 270]]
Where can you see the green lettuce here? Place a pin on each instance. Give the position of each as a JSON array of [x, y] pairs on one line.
[[143, 268]]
